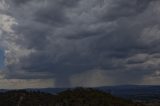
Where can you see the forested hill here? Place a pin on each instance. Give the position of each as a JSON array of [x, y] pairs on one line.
[[72, 97]]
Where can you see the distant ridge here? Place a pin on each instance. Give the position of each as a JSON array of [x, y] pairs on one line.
[[134, 92], [70, 97]]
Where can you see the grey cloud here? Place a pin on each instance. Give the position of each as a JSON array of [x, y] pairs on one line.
[[18, 2], [70, 38], [125, 8]]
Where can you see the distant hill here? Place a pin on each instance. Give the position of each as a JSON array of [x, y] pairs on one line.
[[71, 97], [142, 93], [134, 92]]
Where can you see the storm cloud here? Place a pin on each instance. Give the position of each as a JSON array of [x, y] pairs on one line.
[[69, 41]]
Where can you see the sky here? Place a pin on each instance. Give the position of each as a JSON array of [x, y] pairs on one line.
[[1, 59], [69, 43]]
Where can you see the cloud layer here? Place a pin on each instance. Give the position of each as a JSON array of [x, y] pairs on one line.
[[71, 41]]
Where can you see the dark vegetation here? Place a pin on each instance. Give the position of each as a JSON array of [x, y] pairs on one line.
[[71, 97]]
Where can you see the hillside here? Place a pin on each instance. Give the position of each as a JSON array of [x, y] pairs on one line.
[[72, 97]]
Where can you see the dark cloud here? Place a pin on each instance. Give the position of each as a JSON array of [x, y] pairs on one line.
[[19, 2], [71, 37], [125, 8], [1, 58]]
